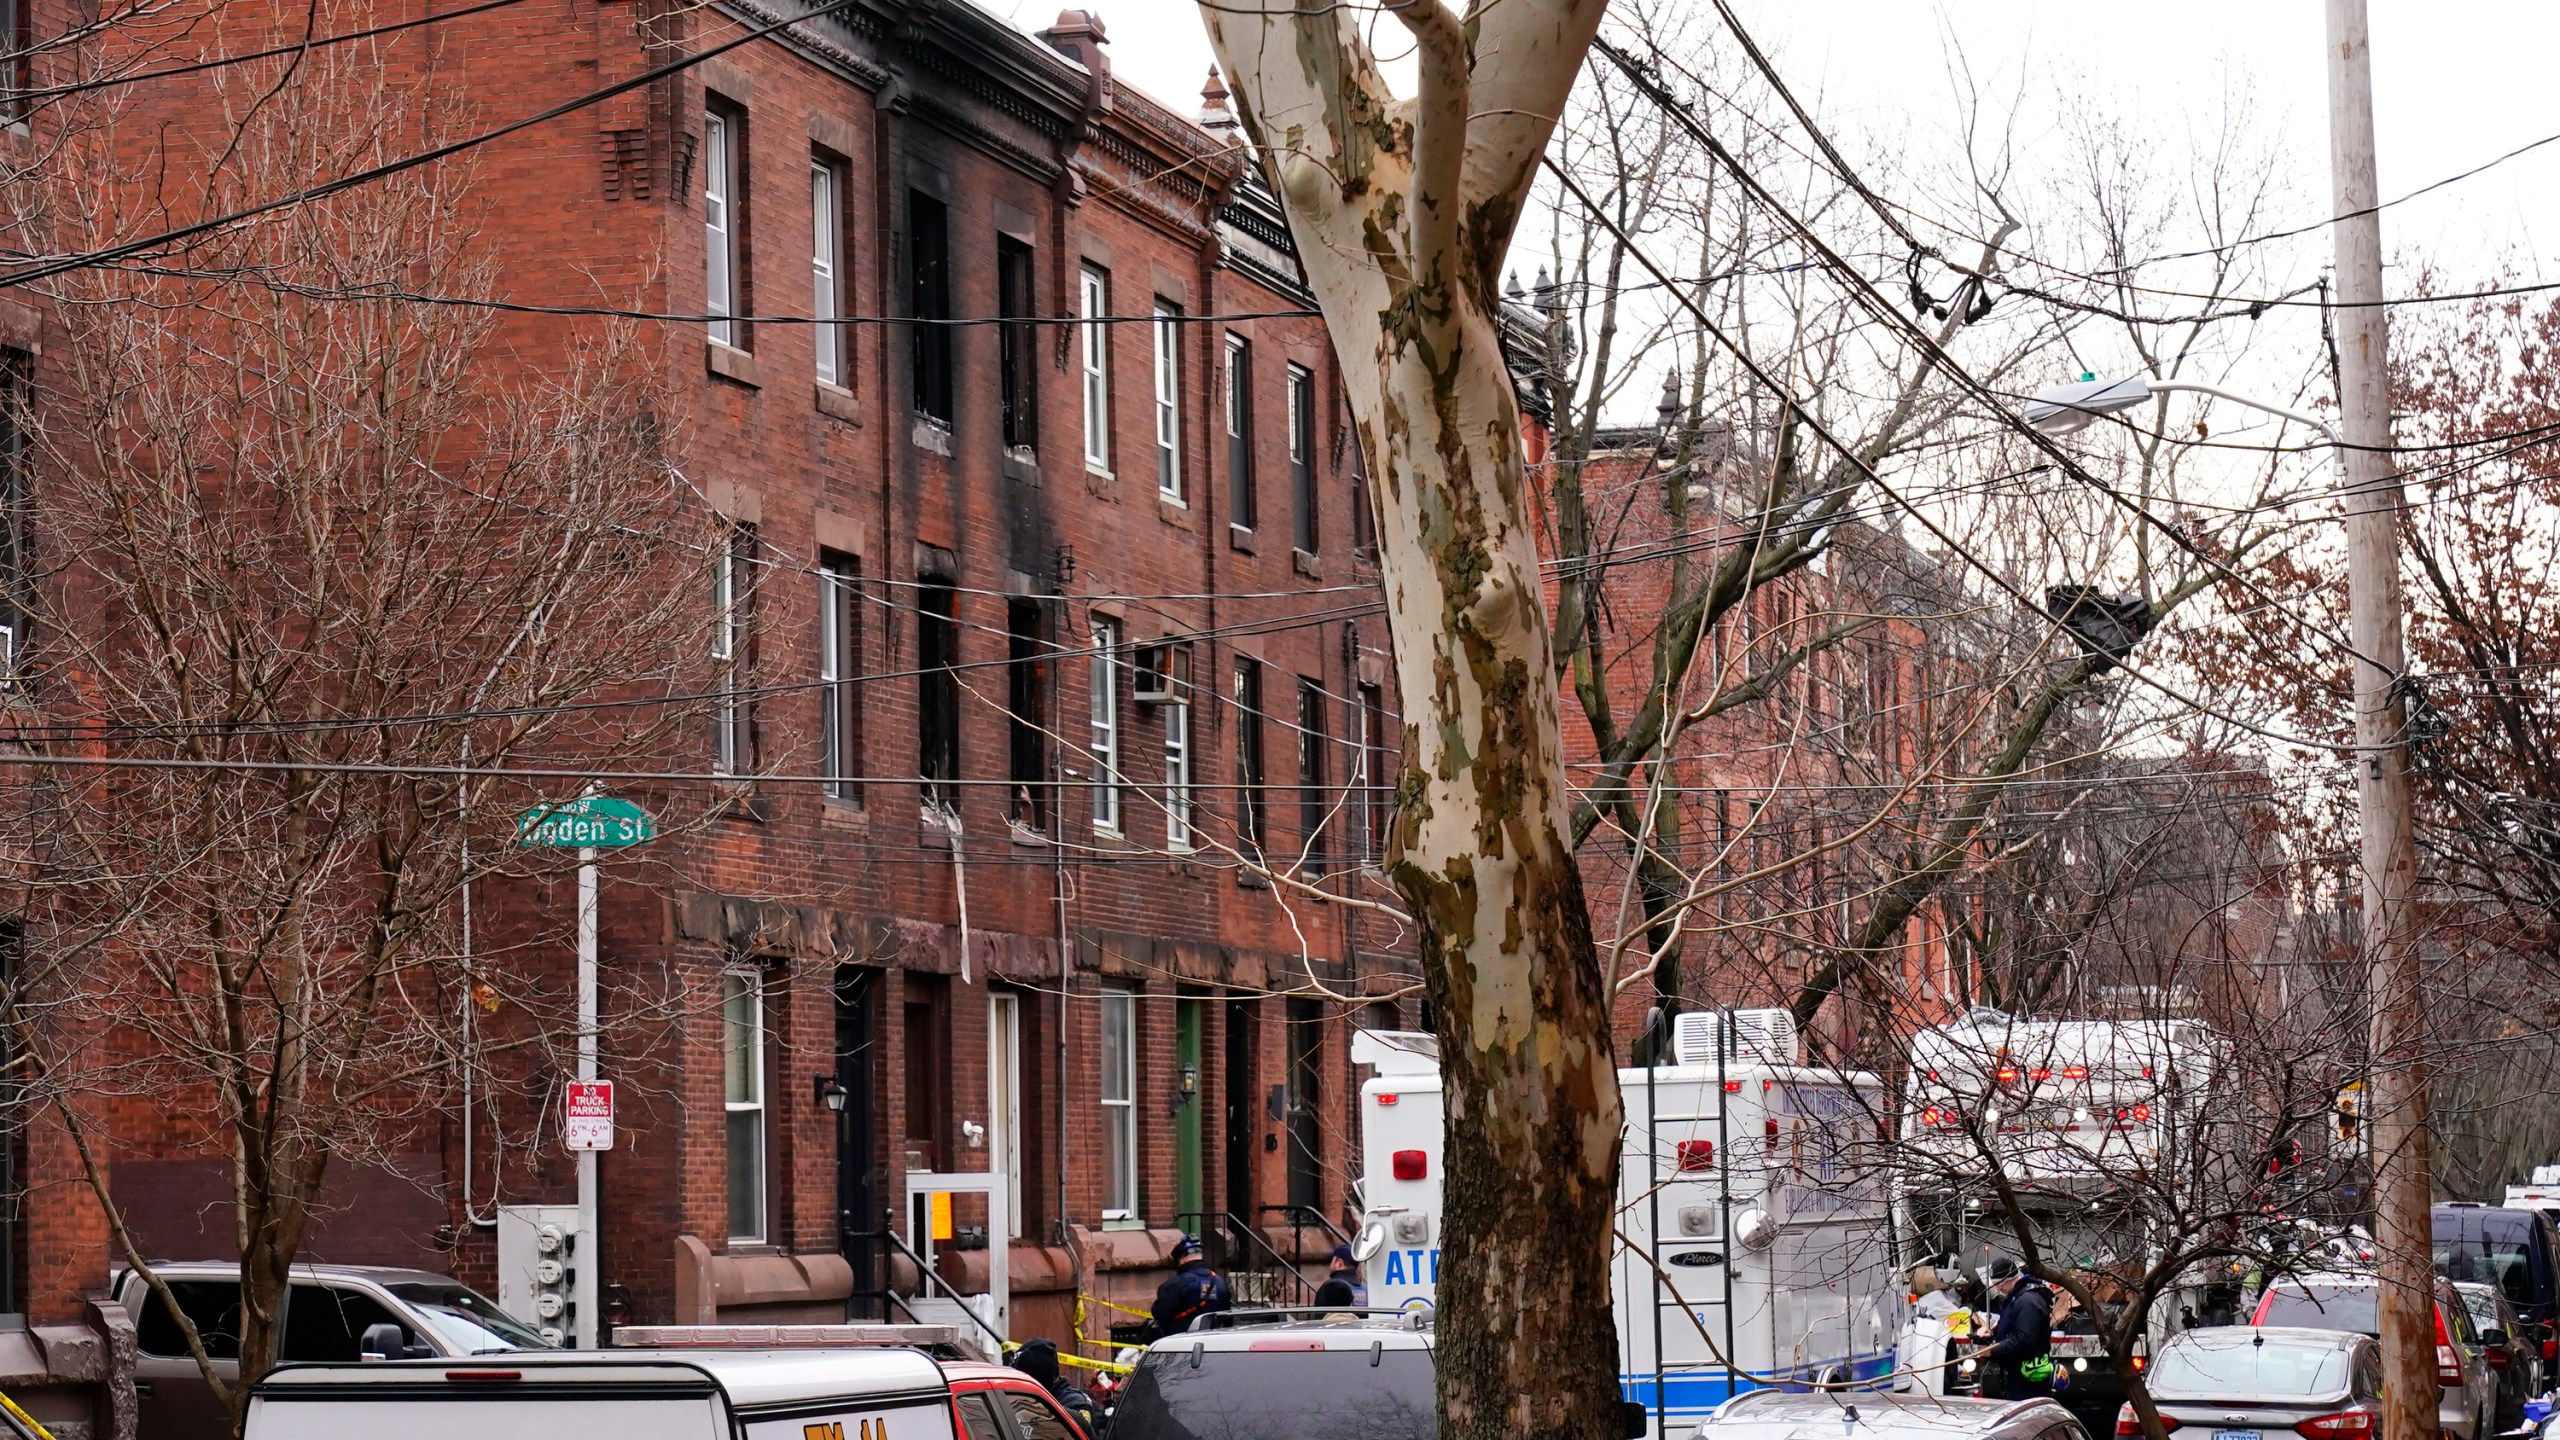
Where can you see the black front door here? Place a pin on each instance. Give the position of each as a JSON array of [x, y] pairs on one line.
[[1244, 1100], [858, 1210]]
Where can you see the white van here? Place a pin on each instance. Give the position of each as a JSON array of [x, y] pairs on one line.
[[1755, 1242], [800, 1394]]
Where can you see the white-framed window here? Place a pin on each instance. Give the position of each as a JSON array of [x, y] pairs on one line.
[[1302, 457], [731, 582], [826, 268], [1177, 751], [839, 675], [1095, 349], [742, 1084], [1119, 1051], [1239, 413], [1104, 692], [720, 225], [1168, 328]]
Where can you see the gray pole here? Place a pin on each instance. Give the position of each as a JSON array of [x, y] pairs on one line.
[[589, 1254], [2397, 1130]]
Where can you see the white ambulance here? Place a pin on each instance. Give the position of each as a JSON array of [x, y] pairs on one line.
[[1756, 1242]]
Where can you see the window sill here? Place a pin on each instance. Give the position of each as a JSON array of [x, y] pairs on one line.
[[1022, 463], [1110, 832], [931, 435], [837, 403], [842, 813], [732, 364], [1123, 1222], [1305, 563], [1240, 537], [1099, 472], [1028, 836], [745, 804], [1172, 512]]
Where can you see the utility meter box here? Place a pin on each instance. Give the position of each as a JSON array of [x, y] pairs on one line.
[[545, 1275]]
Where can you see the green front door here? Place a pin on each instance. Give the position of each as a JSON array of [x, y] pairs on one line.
[[1186, 1116]]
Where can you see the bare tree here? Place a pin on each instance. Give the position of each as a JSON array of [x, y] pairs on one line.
[[319, 569]]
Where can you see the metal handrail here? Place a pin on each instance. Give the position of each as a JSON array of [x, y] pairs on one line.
[[936, 1282], [1247, 1237], [1295, 1212]]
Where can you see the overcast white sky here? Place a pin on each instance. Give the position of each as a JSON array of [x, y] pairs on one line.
[[2456, 83]]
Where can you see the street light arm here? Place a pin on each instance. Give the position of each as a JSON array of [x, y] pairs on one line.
[[2327, 430]]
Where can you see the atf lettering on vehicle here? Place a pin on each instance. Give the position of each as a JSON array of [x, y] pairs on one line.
[[1407, 1267], [834, 1430]]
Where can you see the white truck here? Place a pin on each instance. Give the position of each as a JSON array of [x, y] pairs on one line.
[[796, 1394], [2070, 1112], [2542, 1194], [1756, 1245]]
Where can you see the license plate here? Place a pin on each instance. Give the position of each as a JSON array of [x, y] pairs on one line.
[[2237, 1435]]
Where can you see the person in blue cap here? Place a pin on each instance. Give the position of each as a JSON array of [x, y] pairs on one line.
[[1193, 1290]]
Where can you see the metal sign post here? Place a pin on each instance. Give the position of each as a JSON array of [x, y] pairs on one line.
[[589, 822]]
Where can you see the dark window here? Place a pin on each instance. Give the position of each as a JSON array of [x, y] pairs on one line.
[[1306, 1103], [840, 674], [13, 1139], [18, 41], [1302, 457], [1249, 768], [214, 1306], [1375, 793], [1027, 712], [1313, 799], [1018, 344], [978, 1419], [1364, 525], [1378, 1394], [733, 652], [15, 598], [938, 691], [1038, 1419], [1239, 427], [929, 301], [322, 1323]]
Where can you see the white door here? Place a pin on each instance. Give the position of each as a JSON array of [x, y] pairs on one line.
[[1004, 1102]]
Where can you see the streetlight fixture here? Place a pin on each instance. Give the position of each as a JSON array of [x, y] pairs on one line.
[[2067, 409], [831, 1093]]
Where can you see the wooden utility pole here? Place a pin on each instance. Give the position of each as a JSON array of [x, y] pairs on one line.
[[2397, 1129]]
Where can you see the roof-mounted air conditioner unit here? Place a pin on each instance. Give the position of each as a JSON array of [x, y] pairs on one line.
[[1762, 1037]]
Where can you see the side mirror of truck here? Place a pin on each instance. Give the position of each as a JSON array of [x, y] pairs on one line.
[[1633, 1419], [383, 1341]]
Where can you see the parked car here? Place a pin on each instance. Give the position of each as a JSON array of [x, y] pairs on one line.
[[1883, 1415], [984, 1397], [625, 1394], [2517, 1363], [2467, 1406], [1284, 1375], [327, 1312], [2517, 1250], [2254, 1384]]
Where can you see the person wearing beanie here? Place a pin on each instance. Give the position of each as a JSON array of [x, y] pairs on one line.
[[1039, 1360]]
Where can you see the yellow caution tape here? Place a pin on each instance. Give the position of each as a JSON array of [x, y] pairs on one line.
[[1123, 1309], [25, 1419], [1108, 1367]]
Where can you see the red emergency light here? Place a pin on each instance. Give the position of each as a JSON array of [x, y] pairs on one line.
[[1386, 1098], [1412, 1164], [1697, 1154]]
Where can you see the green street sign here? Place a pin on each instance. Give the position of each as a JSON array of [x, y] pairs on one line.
[[596, 820]]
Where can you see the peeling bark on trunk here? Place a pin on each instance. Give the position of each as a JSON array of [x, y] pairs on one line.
[[1402, 210]]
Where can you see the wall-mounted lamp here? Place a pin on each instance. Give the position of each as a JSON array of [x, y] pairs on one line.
[[1186, 1085], [832, 1094]]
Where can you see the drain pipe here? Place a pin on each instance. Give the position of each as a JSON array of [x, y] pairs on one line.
[[959, 886]]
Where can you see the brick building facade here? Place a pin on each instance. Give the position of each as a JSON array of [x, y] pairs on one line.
[[1040, 612]]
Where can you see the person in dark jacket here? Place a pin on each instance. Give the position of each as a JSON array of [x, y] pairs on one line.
[[1039, 1360], [1193, 1290], [2018, 1363], [1347, 1270]]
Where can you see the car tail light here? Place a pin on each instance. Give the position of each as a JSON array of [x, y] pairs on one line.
[[2345, 1425], [2551, 1348], [2128, 1423], [1697, 1154], [2496, 1355], [2448, 1368], [1412, 1164]]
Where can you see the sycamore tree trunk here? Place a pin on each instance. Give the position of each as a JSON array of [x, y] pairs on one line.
[[1402, 210]]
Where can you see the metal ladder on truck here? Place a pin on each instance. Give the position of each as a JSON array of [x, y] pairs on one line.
[[1712, 1313]]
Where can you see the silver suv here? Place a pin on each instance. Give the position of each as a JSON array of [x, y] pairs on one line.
[[1284, 1375], [326, 1316], [1880, 1415]]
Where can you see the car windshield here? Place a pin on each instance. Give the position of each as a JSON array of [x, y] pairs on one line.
[[2220, 1368], [469, 1321], [1363, 1394], [2324, 1307]]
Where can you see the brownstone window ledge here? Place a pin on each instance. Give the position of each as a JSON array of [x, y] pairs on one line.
[[731, 363], [837, 403]]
